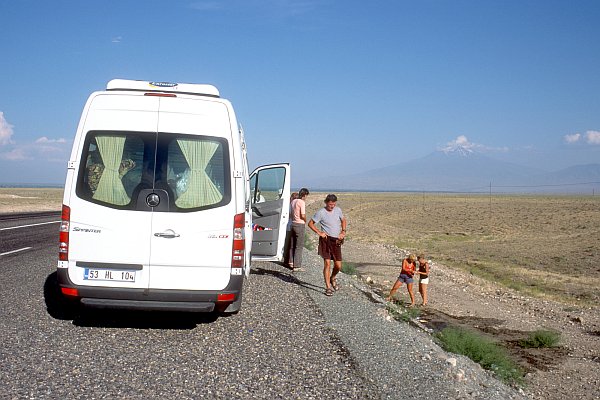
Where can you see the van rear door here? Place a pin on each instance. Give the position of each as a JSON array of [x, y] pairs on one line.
[[270, 206], [108, 243], [191, 239]]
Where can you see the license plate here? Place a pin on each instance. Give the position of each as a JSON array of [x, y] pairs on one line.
[[108, 275]]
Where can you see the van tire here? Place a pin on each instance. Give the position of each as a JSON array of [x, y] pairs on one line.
[[57, 305]]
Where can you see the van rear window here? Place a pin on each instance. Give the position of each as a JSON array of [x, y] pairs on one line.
[[118, 167]]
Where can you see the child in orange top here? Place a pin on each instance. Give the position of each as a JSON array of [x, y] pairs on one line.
[[406, 276]]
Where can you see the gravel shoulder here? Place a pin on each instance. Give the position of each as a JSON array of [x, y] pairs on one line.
[[401, 360]]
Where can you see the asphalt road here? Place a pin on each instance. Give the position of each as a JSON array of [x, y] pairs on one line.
[[22, 232], [276, 347]]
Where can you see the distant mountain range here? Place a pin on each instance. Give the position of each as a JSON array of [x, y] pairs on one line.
[[464, 170]]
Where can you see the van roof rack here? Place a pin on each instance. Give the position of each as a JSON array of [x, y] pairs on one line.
[[146, 86]]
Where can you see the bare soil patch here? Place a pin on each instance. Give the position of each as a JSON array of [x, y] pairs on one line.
[[525, 265]]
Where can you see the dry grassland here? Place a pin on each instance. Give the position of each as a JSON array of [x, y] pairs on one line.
[[546, 246], [30, 199]]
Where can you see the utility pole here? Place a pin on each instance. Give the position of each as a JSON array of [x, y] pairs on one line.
[[490, 207], [490, 199]]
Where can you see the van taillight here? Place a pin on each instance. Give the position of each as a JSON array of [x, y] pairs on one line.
[[70, 291], [239, 242], [63, 246], [225, 297]]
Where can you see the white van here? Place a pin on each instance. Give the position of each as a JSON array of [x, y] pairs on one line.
[[159, 208]]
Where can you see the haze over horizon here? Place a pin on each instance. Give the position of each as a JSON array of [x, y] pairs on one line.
[[466, 170], [334, 88]]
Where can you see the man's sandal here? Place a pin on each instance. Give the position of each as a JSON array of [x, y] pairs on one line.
[[329, 292], [334, 284]]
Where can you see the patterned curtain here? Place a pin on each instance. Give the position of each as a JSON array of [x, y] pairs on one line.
[[201, 190], [110, 187]]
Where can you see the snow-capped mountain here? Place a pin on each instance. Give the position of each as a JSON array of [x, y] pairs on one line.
[[459, 168]]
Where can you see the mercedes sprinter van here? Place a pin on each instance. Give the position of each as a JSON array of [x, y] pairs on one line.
[[160, 211]]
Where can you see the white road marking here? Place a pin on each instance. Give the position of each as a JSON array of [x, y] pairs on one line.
[[27, 226], [15, 251]]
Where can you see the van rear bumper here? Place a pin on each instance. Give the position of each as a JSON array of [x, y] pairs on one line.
[[154, 305], [153, 299]]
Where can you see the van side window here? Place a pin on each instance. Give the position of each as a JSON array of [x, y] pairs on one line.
[[113, 165], [253, 180], [196, 171], [267, 185]]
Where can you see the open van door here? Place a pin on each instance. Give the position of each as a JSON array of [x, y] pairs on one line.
[[270, 209]]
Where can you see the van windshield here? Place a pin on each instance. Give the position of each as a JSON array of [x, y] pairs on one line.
[[119, 167]]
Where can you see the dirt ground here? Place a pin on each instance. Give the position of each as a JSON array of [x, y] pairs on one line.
[[456, 298], [485, 302], [545, 246]]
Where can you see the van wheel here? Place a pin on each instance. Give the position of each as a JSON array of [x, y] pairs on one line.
[[57, 305], [234, 307]]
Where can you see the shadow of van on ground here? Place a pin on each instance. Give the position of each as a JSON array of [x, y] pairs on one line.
[[61, 308], [288, 277]]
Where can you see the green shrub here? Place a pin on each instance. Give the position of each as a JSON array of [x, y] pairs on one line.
[[481, 350], [308, 243], [349, 268], [541, 338], [410, 313], [403, 315]]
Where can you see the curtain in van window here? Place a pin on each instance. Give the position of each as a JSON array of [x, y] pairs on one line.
[[201, 190], [110, 188]]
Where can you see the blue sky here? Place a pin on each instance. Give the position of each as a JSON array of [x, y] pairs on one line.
[[334, 87]]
